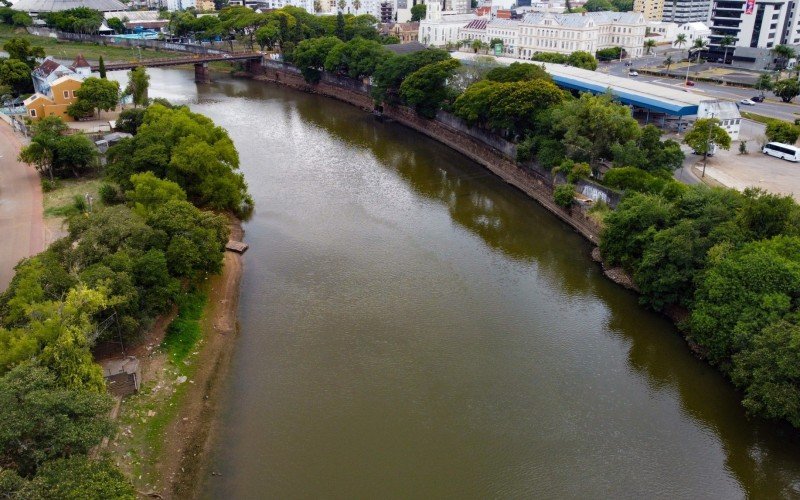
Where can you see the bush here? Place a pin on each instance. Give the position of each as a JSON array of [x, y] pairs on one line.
[[79, 202], [109, 194], [781, 131], [526, 149], [564, 195], [48, 185]]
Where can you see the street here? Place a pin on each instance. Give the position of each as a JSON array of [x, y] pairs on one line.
[[21, 222], [772, 107]]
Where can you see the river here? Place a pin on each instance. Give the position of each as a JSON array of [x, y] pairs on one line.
[[412, 327]]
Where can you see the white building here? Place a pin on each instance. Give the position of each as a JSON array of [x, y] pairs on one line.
[[726, 112], [663, 32], [440, 28], [506, 30], [693, 31], [590, 32], [51, 70]]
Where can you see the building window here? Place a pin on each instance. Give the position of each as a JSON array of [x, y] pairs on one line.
[[33, 113], [66, 94]]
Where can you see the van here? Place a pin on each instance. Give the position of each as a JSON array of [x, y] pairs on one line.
[[783, 151], [712, 149]]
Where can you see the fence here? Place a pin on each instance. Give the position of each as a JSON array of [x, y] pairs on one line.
[[127, 42]]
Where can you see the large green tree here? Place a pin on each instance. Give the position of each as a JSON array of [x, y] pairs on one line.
[[787, 89], [138, 84], [101, 94], [704, 132], [426, 90], [310, 56]]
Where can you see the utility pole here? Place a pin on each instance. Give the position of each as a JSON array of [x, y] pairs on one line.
[[708, 141]]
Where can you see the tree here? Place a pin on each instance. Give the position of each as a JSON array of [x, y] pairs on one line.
[[138, 83], [564, 195], [768, 371], [516, 72], [357, 5], [41, 152], [130, 120], [725, 42], [477, 45], [21, 50], [782, 55], [704, 132], [102, 94], [592, 124], [41, 419], [581, 59], [742, 147], [426, 89], [16, 75], [310, 56], [357, 58], [787, 89], [649, 45], [668, 63], [680, 40], [150, 192], [598, 6], [116, 24], [494, 42], [700, 44], [781, 131], [764, 83], [102, 68], [79, 477], [340, 24], [418, 12], [268, 35], [391, 72]]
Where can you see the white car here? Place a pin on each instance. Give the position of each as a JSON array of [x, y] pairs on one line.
[[747, 102], [633, 73]]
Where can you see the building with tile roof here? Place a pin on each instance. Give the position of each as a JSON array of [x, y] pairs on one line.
[[44, 6], [51, 70]]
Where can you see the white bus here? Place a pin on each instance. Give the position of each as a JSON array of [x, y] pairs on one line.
[[780, 150]]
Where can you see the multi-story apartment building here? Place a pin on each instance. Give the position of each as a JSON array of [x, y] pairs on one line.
[[653, 10], [755, 27], [687, 11]]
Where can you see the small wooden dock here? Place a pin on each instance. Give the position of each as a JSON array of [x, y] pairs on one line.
[[236, 246]]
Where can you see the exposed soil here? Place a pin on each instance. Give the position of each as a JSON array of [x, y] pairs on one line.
[[189, 437]]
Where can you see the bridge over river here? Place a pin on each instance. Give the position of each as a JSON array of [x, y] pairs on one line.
[[200, 62]]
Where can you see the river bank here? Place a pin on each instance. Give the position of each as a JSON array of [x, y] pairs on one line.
[[167, 428]]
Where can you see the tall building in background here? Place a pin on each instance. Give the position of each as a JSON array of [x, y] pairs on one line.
[[686, 11], [755, 27], [653, 10]]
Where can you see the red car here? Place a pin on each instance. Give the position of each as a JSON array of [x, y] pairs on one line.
[[689, 83]]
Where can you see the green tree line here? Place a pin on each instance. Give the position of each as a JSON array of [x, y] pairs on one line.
[[148, 241]]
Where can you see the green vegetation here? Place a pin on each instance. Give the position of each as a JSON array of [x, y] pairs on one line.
[[95, 95], [418, 12], [68, 50], [704, 133], [121, 264], [185, 331], [77, 20], [564, 195], [138, 84], [781, 131], [579, 59], [787, 89], [15, 71], [54, 154]]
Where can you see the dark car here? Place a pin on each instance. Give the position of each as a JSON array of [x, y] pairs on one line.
[[757, 98], [690, 83]]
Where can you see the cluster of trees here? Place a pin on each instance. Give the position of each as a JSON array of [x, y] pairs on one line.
[[732, 259], [185, 148], [283, 28], [15, 17], [579, 59], [78, 20], [15, 70], [95, 95], [118, 268], [55, 154]]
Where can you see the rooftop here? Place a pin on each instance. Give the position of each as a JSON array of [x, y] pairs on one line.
[[59, 5]]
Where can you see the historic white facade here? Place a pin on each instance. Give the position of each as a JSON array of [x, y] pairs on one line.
[[590, 32], [442, 27]]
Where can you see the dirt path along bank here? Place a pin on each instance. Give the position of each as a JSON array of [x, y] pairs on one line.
[[21, 219]]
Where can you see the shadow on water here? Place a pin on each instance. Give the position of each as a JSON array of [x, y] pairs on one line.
[[762, 455]]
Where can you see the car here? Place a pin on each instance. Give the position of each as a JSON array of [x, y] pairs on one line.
[[633, 73], [689, 83], [758, 98], [747, 102]]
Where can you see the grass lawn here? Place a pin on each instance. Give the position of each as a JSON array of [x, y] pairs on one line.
[[67, 50], [757, 118], [60, 202]]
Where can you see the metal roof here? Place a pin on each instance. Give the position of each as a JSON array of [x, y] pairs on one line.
[[58, 5], [628, 91]]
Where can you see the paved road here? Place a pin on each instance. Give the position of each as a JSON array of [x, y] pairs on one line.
[[21, 223], [772, 107]]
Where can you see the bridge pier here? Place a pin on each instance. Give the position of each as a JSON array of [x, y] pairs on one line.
[[254, 67], [201, 73]]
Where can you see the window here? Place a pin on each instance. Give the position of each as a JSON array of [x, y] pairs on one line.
[[33, 113], [66, 94], [74, 94]]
